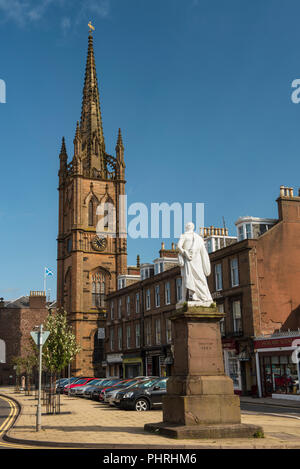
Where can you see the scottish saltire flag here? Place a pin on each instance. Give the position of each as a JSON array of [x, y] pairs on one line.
[[48, 272]]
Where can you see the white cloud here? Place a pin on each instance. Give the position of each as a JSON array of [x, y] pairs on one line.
[[65, 24], [98, 7], [37, 12], [23, 12], [14, 10], [91, 9]]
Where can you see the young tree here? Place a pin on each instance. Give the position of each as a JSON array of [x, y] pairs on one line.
[[29, 362], [19, 366], [60, 347], [25, 364]]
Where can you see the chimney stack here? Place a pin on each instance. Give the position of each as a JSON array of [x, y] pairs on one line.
[[37, 300]]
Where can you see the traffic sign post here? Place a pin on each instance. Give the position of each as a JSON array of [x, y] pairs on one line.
[[39, 338]]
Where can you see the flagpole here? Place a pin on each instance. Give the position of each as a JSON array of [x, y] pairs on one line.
[[45, 280]]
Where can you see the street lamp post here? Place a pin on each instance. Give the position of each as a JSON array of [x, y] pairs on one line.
[[39, 338], [39, 413]]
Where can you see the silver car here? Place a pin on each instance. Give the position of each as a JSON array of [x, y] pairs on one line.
[[79, 390]]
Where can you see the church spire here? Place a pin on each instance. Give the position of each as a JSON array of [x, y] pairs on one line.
[[91, 121]]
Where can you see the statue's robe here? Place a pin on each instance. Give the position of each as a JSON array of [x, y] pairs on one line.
[[195, 271]]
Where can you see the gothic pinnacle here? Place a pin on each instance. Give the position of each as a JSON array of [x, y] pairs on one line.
[[63, 152], [120, 141], [77, 132]]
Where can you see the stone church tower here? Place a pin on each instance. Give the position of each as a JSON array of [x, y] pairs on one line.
[[87, 264]]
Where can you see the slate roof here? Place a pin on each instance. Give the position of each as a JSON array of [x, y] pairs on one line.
[[22, 302]]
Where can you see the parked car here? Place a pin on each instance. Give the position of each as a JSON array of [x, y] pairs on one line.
[[79, 390], [110, 393], [60, 386], [57, 383], [88, 391], [120, 393], [76, 383], [119, 385], [143, 396], [96, 392]]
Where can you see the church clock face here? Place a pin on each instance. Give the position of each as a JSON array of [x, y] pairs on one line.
[[99, 244]]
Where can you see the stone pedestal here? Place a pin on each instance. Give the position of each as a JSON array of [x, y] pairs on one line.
[[200, 401]]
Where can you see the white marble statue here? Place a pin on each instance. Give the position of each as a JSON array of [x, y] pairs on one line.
[[195, 267]]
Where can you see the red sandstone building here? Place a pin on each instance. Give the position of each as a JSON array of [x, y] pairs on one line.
[[17, 319], [138, 329], [254, 280]]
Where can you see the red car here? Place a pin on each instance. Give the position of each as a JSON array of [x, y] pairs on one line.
[[80, 382]]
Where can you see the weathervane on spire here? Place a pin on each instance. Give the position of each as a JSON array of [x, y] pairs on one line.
[[91, 27]]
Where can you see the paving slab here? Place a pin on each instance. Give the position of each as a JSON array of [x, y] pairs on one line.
[[89, 424]]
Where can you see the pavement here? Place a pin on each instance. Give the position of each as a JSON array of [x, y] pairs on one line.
[[84, 423], [271, 401]]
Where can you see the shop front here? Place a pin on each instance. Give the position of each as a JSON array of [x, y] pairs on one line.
[[232, 364], [157, 363], [114, 365], [132, 366], [168, 365], [277, 365]]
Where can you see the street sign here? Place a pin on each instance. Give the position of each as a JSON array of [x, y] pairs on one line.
[[43, 337]]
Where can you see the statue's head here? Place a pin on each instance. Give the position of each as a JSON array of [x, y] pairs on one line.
[[189, 227]]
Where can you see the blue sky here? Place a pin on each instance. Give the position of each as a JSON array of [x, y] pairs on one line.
[[200, 88]]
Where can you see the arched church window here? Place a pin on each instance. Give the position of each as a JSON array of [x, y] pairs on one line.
[[91, 213], [98, 290], [94, 294]]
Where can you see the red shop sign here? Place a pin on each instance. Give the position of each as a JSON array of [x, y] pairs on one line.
[[272, 343]]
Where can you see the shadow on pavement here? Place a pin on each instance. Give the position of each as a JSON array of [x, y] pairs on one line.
[[91, 428]]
